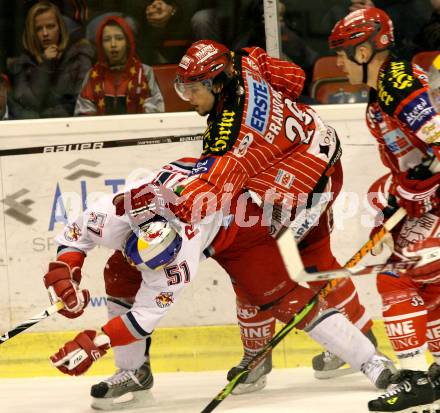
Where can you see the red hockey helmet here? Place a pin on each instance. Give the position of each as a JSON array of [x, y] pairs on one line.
[[371, 25], [202, 62]]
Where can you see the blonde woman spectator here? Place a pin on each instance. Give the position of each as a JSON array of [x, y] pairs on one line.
[[118, 83], [46, 79]]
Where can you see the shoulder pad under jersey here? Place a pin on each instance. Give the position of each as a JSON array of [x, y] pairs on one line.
[[397, 82]]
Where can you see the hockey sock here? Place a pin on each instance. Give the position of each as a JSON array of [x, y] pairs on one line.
[[256, 327], [433, 333], [405, 325], [336, 334], [130, 356], [345, 299]]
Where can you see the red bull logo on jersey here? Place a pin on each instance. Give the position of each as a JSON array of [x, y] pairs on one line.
[[72, 233], [164, 299]]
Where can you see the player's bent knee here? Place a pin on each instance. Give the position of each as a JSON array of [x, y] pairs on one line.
[[319, 317], [389, 283], [121, 279], [292, 303]]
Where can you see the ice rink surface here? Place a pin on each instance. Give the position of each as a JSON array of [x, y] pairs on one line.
[[288, 390]]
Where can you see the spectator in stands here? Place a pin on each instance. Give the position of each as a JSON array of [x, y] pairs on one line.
[[118, 83], [429, 36], [47, 77], [3, 97], [165, 34]]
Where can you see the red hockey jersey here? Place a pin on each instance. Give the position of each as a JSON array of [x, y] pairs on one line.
[[401, 117], [259, 138]]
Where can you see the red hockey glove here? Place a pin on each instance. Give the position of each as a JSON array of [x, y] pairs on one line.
[[417, 196], [76, 356], [427, 252], [144, 202], [62, 284]]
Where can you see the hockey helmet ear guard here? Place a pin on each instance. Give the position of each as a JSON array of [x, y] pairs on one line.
[[155, 245]]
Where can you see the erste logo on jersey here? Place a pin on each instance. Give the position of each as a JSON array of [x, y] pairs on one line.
[[258, 109]]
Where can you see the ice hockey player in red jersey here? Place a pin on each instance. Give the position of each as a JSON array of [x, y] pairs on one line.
[[259, 138], [401, 117], [167, 256]]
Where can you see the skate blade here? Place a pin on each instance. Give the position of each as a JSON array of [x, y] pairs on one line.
[[330, 374], [425, 408], [244, 388], [131, 400]]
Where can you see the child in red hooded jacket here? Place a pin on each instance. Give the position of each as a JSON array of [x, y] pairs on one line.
[[119, 83]]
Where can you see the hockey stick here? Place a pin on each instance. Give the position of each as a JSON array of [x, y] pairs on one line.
[[54, 308], [114, 143], [288, 247], [299, 273], [255, 360]]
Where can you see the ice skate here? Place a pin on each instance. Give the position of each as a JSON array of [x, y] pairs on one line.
[[410, 392], [327, 365], [125, 389], [256, 379], [434, 377], [379, 370]]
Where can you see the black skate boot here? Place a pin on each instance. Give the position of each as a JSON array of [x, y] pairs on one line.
[[107, 395], [434, 376], [327, 365], [256, 379], [411, 391], [379, 369]]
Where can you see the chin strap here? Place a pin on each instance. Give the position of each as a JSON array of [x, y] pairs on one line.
[[365, 72], [364, 65]]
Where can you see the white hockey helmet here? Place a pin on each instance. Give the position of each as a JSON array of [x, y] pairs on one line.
[[155, 245]]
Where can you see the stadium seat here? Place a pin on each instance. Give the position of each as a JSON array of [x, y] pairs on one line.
[[325, 68], [330, 85], [165, 79], [331, 91], [424, 59]]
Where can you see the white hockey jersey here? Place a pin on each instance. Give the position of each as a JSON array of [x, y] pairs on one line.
[[99, 225]]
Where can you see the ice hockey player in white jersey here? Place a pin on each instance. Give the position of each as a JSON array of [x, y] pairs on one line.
[[167, 255]]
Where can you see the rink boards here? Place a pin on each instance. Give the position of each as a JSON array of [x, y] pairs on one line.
[[76, 159]]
